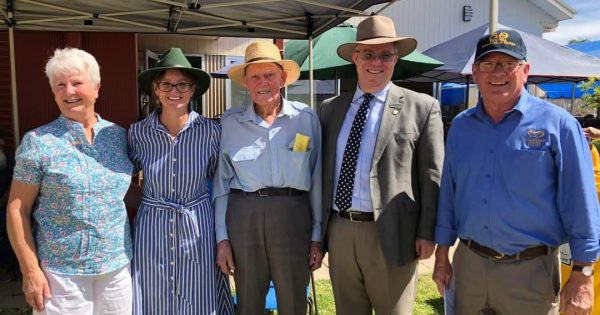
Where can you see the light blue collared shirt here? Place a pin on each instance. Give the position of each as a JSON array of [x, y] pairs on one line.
[[361, 194], [255, 155], [524, 181]]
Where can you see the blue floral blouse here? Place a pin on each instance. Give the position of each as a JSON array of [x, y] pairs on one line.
[[80, 221]]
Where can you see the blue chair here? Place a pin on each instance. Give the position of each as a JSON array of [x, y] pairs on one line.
[[271, 300]]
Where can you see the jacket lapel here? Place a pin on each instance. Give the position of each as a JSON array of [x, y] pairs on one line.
[[392, 110], [339, 109]]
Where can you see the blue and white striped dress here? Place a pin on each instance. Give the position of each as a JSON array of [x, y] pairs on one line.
[[174, 269]]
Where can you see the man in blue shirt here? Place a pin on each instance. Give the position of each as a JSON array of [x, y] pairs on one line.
[[517, 182]]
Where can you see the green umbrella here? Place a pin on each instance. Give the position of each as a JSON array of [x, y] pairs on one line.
[[327, 65]]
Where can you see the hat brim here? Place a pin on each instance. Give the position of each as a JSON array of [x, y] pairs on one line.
[[236, 73], [201, 79], [404, 46], [503, 51]]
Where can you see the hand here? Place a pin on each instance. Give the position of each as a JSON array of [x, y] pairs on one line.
[[36, 289], [315, 256], [442, 269], [577, 296], [424, 248], [591, 132], [225, 257]]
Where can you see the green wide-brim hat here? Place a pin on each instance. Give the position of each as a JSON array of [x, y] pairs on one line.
[[175, 59]]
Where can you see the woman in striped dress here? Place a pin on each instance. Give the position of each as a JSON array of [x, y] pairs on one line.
[[174, 269]]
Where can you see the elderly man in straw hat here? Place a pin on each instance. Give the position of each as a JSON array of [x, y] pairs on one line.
[[382, 158], [267, 191]]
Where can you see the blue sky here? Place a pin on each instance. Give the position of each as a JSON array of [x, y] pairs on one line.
[[584, 25]]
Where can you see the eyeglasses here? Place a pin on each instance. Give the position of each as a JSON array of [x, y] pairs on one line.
[[367, 55], [182, 87], [506, 66]]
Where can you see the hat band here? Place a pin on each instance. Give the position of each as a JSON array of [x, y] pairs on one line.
[[375, 37], [261, 58]]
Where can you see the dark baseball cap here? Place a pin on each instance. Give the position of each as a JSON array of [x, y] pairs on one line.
[[503, 41]]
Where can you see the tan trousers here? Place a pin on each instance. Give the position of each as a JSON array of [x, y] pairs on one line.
[[511, 287], [270, 237], [361, 279]]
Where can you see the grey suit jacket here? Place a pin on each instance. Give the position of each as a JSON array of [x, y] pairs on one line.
[[405, 172]]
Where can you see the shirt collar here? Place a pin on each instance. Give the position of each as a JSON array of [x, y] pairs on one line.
[[74, 125], [250, 114], [522, 106], [380, 95], [154, 121]]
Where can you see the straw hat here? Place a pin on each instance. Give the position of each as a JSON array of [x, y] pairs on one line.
[[175, 59], [264, 52], [374, 30]]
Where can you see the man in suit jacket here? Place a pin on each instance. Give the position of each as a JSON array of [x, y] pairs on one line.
[[382, 160]]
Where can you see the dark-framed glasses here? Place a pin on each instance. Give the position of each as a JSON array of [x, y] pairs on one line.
[[506, 66], [182, 87], [368, 55]]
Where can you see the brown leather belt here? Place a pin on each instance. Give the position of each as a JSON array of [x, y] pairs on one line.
[[353, 216], [269, 192], [530, 252]]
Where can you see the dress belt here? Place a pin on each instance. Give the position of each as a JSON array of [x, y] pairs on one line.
[[530, 252], [269, 192], [353, 216], [172, 205]]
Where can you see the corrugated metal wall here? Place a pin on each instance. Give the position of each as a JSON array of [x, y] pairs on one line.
[[116, 54], [214, 98], [6, 124]]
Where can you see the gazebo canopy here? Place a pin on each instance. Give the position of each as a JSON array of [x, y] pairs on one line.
[[293, 19]]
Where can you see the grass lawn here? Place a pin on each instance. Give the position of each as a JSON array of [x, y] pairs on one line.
[[428, 302]]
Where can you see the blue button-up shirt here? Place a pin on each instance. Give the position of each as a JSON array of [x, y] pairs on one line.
[[361, 193], [524, 181], [81, 225], [255, 155]]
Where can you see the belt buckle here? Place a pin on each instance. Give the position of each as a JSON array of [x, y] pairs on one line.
[[499, 257], [350, 216], [260, 193]]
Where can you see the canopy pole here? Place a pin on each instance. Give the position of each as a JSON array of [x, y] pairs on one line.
[[311, 91], [13, 76], [493, 24], [572, 96], [467, 94]]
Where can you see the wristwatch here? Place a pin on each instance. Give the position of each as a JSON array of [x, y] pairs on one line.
[[585, 270]]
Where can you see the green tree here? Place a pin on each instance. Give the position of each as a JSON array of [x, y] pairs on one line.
[[578, 41], [591, 93]]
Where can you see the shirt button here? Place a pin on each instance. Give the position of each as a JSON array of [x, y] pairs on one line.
[[171, 220], [172, 263], [488, 176], [173, 174], [491, 150], [172, 248], [172, 278], [174, 160], [485, 227], [171, 234], [485, 201]]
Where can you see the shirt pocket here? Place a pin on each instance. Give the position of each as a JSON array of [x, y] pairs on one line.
[[529, 164]]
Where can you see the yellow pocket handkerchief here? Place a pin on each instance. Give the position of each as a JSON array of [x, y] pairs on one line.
[[301, 143]]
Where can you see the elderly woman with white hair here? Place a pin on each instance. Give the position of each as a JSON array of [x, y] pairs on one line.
[[66, 217]]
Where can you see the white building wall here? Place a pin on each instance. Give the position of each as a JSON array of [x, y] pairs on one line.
[[434, 21]]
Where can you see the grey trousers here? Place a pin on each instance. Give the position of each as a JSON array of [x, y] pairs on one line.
[[270, 237], [510, 287], [360, 277]]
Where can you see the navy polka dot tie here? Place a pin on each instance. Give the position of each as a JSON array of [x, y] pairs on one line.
[[345, 185]]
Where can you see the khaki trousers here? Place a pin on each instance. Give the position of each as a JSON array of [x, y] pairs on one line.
[[361, 279], [509, 287], [270, 237]]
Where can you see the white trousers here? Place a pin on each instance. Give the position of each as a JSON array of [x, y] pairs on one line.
[[108, 293]]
